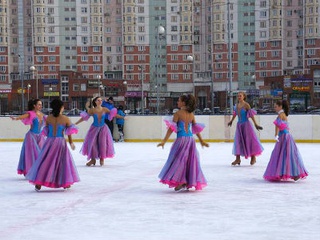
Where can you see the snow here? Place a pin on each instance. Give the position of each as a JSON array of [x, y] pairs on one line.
[[124, 199]]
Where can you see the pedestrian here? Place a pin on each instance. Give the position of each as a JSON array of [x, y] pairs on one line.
[[182, 169], [98, 143], [109, 121], [285, 161], [246, 142], [120, 122], [55, 168], [33, 140]]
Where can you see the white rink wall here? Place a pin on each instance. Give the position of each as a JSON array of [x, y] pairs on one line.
[[304, 128]]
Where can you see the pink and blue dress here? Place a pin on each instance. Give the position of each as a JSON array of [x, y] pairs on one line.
[[183, 163], [246, 142], [32, 144], [285, 161], [98, 143], [55, 167]]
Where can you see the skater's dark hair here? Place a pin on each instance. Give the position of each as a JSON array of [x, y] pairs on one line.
[[32, 103], [120, 107], [190, 102], [285, 106], [56, 105], [94, 101]]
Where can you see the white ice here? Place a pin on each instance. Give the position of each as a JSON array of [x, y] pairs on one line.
[[123, 200]]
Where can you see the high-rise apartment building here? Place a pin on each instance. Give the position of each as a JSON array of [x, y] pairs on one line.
[[147, 53]]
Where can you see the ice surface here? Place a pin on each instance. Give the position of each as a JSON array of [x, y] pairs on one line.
[[124, 200]]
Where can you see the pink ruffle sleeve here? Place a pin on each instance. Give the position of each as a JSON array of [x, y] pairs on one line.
[[280, 124], [197, 128], [28, 120], [113, 112], [72, 129], [171, 124], [251, 113], [84, 115]]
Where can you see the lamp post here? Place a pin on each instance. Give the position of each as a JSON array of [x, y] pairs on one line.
[[191, 59], [21, 72], [161, 31], [34, 70], [102, 88], [253, 77], [229, 58], [125, 102], [50, 91], [28, 86], [99, 78], [142, 97]]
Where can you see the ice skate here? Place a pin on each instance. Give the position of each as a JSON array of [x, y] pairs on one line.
[[236, 162], [91, 162]]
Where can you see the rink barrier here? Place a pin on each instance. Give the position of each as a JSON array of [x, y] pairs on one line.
[[304, 128]]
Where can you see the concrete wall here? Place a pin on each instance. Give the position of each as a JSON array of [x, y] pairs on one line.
[[304, 128]]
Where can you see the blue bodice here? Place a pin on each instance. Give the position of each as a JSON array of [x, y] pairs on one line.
[[242, 115], [36, 126], [181, 131], [96, 122], [59, 130]]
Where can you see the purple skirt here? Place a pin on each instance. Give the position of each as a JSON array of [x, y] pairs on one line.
[[98, 143], [30, 150], [246, 142], [285, 161], [183, 165], [54, 167]]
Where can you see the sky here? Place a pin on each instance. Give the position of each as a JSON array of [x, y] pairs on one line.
[[124, 200]]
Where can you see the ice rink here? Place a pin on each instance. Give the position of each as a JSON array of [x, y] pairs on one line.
[[124, 200]]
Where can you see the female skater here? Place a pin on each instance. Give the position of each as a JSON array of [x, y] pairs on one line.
[[246, 142], [182, 169], [54, 167], [285, 161], [98, 143], [33, 140]]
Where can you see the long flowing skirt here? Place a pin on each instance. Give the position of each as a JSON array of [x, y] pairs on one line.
[[54, 167], [285, 161], [183, 165], [246, 142], [30, 150], [98, 143]]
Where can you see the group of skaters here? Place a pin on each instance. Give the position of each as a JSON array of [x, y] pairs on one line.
[[45, 159]]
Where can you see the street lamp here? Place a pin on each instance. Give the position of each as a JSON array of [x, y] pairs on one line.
[[191, 59], [253, 83], [34, 70], [125, 102], [102, 88], [99, 78], [28, 86], [161, 31], [229, 57], [142, 97], [50, 91]]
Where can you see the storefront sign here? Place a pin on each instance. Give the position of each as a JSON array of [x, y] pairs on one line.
[[301, 89]]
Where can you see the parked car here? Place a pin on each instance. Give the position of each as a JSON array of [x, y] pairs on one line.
[[46, 111], [315, 111], [198, 112], [206, 111], [175, 110], [72, 112]]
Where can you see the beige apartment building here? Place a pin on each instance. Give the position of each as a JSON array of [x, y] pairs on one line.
[[147, 53]]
